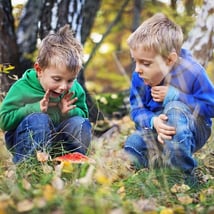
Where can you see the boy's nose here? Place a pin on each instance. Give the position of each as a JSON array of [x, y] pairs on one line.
[[64, 87], [137, 68]]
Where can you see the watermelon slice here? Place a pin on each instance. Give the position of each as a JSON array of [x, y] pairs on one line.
[[75, 157]]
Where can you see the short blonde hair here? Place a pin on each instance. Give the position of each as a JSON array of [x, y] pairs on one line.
[[61, 48], [159, 34]]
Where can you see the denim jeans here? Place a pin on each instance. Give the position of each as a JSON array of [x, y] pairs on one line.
[[37, 132], [191, 134]]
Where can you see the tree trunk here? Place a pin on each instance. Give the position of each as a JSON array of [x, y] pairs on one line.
[[8, 46], [201, 39], [27, 33]]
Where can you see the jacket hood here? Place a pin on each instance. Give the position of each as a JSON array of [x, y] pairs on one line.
[[30, 76]]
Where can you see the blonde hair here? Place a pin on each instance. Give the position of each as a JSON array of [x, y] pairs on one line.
[[61, 48], [158, 34]]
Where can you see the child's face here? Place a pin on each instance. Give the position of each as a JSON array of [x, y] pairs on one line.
[[57, 79], [152, 68]]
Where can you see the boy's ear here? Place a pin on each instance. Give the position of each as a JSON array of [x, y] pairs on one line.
[[37, 68], [172, 58]]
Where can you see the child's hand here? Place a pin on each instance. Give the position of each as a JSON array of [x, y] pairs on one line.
[[165, 132], [159, 92], [45, 101], [66, 103]]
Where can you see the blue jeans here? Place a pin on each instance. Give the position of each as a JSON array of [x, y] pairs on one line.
[[191, 134], [37, 132]]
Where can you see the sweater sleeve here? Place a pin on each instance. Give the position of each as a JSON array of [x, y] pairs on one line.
[[140, 113], [13, 109]]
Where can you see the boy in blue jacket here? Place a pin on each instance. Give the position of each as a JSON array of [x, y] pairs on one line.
[[172, 98]]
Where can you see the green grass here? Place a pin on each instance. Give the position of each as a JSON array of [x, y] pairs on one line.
[[106, 186]]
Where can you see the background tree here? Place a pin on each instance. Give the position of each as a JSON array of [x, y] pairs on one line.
[[201, 38], [8, 46]]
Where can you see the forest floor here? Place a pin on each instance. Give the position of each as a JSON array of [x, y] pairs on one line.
[[106, 185]]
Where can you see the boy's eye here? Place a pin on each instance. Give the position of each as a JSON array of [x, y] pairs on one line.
[[56, 79], [145, 63]]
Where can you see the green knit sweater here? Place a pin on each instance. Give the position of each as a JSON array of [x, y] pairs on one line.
[[24, 98]]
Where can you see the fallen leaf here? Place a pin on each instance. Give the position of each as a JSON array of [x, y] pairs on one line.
[[185, 199], [5, 201], [42, 156], [25, 205], [48, 192], [167, 211], [26, 184], [101, 178], [66, 167], [179, 188], [58, 183]]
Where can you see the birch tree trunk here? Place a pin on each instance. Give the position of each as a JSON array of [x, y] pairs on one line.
[[201, 39]]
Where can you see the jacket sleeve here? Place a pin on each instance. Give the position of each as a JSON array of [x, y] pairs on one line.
[[13, 109], [201, 101], [140, 114]]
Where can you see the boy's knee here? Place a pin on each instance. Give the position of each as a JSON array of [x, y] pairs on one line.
[[177, 106]]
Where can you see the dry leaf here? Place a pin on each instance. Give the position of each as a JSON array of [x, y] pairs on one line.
[[58, 183], [40, 202], [179, 188], [42, 156], [24, 206], [26, 184], [185, 199]]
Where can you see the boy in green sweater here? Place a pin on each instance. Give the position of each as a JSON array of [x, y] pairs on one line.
[[47, 108]]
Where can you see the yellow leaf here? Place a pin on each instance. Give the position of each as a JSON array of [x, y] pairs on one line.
[[67, 167], [179, 209], [5, 201], [202, 197], [49, 192], [101, 178], [6, 67], [166, 211]]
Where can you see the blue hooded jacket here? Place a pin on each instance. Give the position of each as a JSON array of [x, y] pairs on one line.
[[188, 83]]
